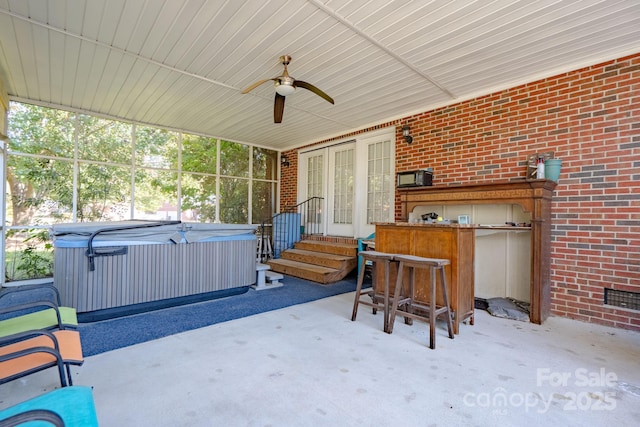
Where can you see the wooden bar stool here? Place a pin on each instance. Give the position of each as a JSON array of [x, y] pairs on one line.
[[378, 300], [413, 309]]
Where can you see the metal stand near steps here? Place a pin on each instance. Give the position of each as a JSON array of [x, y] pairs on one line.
[[265, 251]]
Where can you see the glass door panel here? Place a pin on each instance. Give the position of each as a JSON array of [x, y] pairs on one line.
[[313, 220], [341, 190]]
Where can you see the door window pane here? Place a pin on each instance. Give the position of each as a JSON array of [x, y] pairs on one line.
[[314, 176], [343, 188], [379, 182]]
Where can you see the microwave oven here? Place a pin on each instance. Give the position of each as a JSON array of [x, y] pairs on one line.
[[417, 178]]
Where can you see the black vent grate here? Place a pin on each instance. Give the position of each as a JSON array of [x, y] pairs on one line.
[[624, 299]]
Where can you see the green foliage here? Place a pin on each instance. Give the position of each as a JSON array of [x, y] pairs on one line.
[[34, 260], [104, 140], [234, 200], [199, 154], [41, 189], [265, 163], [234, 159], [263, 201], [156, 148]]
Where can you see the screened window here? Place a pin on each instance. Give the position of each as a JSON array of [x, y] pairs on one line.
[[68, 167]]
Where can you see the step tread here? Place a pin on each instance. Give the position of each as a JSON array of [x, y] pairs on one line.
[[346, 249], [318, 254], [324, 243], [272, 275], [317, 260], [301, 265]]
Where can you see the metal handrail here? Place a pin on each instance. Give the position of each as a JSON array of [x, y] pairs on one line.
[[285, 230], [92, 252]]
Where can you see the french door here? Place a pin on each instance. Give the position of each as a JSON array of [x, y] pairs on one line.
[[340, 194], [313, 185], [355, 178], [376, 198]]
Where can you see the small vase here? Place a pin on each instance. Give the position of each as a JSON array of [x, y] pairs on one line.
[[552, 169]]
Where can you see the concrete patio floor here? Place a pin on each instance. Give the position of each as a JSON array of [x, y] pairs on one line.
[[310, 365]]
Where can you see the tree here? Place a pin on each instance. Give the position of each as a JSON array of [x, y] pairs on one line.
[[33, 181]]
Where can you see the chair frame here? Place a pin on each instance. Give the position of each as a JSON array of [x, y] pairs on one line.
[[8, 290], [43, 415], [71, 406], [63, 365], [42, 318]]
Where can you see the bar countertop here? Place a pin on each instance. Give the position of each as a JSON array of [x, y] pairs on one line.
[[454, 225]]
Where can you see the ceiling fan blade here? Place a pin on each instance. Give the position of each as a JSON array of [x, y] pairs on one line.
[[278, 108], [312, 88], [255, 85]]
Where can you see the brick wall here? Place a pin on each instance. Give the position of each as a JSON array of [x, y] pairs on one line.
[[289, 181], [591, 119]]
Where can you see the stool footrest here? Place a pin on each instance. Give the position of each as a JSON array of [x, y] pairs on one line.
[[427, 312], [424, 308]]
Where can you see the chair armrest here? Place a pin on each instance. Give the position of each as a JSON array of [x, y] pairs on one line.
[[74, 404], [12, 290], [33, 415], [30, 305], [27, 305]]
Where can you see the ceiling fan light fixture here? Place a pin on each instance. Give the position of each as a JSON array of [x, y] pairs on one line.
[[284, 87]]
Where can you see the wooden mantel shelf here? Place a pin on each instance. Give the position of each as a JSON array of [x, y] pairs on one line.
[[533, 195], [521, 192]]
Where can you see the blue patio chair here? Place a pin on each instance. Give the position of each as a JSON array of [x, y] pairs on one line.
[[73, 405], [361, 248]]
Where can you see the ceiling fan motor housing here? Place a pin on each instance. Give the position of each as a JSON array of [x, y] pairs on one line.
[[284, 85]]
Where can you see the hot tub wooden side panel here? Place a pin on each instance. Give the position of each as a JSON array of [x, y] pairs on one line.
[[153, 272]]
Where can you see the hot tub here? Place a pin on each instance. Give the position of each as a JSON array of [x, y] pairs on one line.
[[100, 266]]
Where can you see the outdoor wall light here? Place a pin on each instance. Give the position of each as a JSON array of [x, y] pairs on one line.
[[284, 162], [406, 132]]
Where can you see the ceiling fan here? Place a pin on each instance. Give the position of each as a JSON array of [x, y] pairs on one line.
[[286, 85]]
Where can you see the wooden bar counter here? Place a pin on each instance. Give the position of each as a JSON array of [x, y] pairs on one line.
[[453, 242], [457, 242], [533, 195]]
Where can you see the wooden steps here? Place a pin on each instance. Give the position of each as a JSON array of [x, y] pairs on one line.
[[317, 261], [347, 249]]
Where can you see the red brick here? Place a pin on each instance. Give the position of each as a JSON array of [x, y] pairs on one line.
[[596, 110]]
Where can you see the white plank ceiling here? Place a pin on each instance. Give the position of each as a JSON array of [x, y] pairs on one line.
[[182, 64]]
